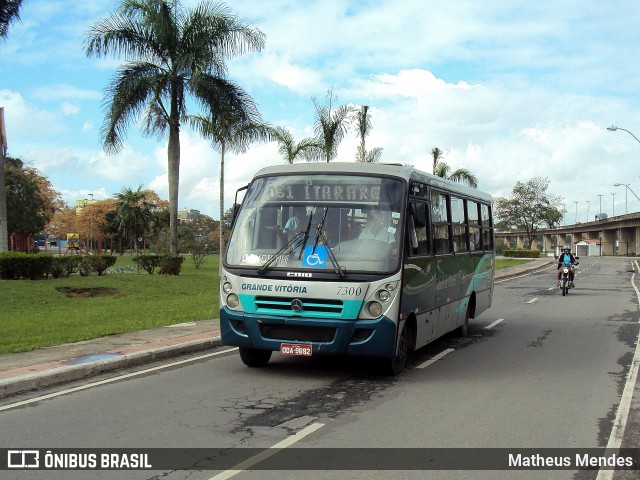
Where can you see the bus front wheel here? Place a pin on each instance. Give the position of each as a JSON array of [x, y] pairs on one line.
[[253, 357], [395, 365]]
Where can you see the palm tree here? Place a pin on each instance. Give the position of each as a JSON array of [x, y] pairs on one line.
[[331, 126], [289, 149], [363, 121], [9, 13], [231, 130], [461, 175], [133, 214], [170, 52]]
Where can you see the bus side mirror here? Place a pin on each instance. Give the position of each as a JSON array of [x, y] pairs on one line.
[[234, 212]]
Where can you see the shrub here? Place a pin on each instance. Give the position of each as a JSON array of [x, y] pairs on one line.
[[99, 263], [16, 265], [522, 253], [147, 262], [64, 266], [170, 265]]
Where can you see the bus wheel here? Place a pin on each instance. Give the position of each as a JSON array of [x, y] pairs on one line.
[[463, 330], [252, 357], [395, 365]]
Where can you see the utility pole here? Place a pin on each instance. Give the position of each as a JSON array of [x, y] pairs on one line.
[[576, 220]]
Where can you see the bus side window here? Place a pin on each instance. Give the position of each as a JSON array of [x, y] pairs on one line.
[[459, 227], [418, 229], [487, 227], [474, 226], [440, 223]]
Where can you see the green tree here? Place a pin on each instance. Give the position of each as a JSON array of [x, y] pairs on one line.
[[31, 199], [231, 128], [363, 122], [442, 170], [529, 207], [331, 125], [170, 52], [9, 13], [133, 214], [290, 149]]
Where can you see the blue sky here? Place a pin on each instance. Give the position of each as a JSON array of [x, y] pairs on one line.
[[508, 89]]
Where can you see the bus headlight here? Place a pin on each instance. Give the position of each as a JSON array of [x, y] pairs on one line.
[[384, 296], [232, 300], [374, 308], [227, 288]]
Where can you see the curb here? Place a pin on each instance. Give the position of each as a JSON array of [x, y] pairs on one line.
[[58, 375]]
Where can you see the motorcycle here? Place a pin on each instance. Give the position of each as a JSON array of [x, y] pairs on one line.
[[565, 282]]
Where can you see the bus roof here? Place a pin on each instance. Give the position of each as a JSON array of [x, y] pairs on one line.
[[388, 169]]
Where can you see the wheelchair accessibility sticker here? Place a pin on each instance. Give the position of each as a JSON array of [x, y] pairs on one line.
[[317, 259]]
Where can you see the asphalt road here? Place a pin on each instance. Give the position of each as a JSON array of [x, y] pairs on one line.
[[538, 371]]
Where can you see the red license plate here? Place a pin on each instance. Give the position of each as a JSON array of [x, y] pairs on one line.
[[295, 349]]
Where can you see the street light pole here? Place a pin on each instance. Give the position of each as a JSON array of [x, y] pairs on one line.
[[588, 205], [613, 128], [576, 220], [626, 185], [613, 203], [600, 211]]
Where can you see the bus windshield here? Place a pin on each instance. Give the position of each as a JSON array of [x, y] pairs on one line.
[[299, 218]]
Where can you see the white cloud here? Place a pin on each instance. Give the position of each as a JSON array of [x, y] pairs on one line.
[[69, 108]]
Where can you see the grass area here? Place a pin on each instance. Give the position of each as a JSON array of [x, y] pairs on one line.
[[510, 262], [36, 314]]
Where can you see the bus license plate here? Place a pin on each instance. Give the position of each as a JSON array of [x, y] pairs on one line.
[[295, 349]]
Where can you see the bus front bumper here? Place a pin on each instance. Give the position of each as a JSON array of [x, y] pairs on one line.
[[375, 338]]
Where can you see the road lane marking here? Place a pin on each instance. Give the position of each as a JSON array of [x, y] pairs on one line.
[[111, 380], [551, 288], [250, 462], [622, 415], [436, 358], [489, 327], [532, 300]]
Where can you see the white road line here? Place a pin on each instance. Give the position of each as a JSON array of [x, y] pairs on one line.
[[489, 327], [436, 358], [551, 288], [622, 415], [111, 380], [250, 462], [533, 300]]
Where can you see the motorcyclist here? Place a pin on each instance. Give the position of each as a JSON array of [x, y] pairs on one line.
[[567, 258]]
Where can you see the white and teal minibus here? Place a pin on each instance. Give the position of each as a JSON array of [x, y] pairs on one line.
[[355, 259]]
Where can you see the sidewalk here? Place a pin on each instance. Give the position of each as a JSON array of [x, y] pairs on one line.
[[25, 371]]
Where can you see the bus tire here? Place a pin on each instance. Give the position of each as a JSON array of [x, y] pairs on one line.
[[253, 357], [395, 365], [463, 330]]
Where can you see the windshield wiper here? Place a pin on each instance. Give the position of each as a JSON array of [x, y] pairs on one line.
[[276, 255], [289, 246], [320, 235], [306, 236]]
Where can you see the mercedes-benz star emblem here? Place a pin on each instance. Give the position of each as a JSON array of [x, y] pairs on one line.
[[296, 305]]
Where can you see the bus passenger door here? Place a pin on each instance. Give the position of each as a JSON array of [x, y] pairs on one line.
[[418, 275]]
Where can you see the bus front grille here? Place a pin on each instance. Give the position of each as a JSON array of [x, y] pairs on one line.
[[298, 333], [306, 305]]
